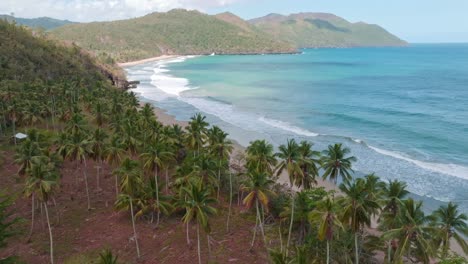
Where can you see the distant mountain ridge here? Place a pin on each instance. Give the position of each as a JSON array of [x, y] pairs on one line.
[[310, 30], [46, 23], [191, 32], [175, 32]]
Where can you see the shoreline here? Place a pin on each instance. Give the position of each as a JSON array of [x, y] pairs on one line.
[[283, 179], [167, 119], [137, 62]]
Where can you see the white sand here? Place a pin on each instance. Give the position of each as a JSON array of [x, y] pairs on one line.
[[133, 63]]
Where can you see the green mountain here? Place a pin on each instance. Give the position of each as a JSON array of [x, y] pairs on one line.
[[46, 23], [307, 30], [27, 58], [175, 32]]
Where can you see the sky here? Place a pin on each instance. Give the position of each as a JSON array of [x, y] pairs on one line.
[[411, 20]]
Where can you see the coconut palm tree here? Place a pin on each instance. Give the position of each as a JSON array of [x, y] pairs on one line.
[[393, 195], [260, 157], [220, 147], [198, 209], [309, 162], [113, 154], [450, 224], [412, 234], [196, 135], [358, 207], [98, 146], [153, 157], [78, 148], [336, 163], [41, 182], [327, 218], [130, 187], [258, 191], [25, 154], [289, 157]]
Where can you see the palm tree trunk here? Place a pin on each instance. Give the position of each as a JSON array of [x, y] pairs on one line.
[[230, 202], [14, 131], [32, 218], [280, 237], [356, 248], [187, 233], [116, 185], [134, 228], [291, 223], [389, 252], [219, 179], [50, 234], [328, 252], [261, 223], [98, 168], [86, 183], [198, 245], [157, 193], [255, 231], [209, 246], [167, 180]]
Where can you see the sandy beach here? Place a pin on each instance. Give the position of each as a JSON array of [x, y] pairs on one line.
[[133, 63]]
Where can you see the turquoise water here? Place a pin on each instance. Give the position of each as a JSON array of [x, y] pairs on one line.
[[402, 111]]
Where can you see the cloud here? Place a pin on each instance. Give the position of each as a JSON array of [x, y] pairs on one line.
[[100, 10]]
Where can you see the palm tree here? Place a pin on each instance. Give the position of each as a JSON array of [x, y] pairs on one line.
[[196, 129], [197, 209], [25, 154], [289, 155], [77, 149], [336, 163], [450, 223], [98, 146], [113, 154], [326, 216], [41, 183], [220, 147], [358, 206], [130, 186], [393, 194], [260, 157], [152, 160], [412, 233], [258, 188], [309, 162]]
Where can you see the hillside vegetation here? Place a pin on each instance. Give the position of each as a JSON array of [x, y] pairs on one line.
[[46, 23], [175, 32], [308, 30], [27, 58]]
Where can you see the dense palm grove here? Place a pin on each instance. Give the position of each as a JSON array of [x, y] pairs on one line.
[[187, 173]]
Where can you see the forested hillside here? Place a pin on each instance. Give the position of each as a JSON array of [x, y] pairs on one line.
[[175, 32], [27, 58], [308, 30]]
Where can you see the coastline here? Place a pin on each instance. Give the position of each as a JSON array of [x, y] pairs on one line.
[[137, 62], [168, 119]]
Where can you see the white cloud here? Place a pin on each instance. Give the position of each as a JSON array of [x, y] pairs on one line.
[[99, 10]]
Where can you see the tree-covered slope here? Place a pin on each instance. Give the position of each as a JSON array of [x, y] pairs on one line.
[[307, 30], [27, 58], [40, 22], [175, 32]]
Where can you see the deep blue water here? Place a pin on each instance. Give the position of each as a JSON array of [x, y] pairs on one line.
[[402, 111]]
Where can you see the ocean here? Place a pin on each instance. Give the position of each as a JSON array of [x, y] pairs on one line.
[[403, 111]]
